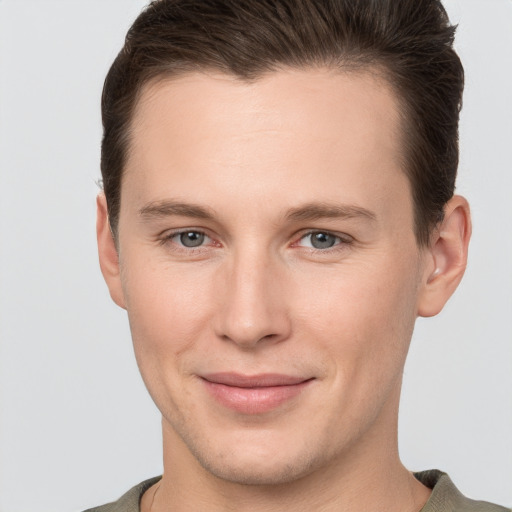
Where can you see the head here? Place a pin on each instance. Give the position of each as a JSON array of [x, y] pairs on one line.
[[278, 210]]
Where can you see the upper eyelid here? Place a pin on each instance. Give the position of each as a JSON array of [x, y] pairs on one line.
[[342, 236], [169, 233]]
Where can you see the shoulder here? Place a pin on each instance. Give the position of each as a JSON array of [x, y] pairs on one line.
[[446, 497], [128, 502]]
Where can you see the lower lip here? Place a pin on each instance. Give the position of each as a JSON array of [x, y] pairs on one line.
[[254, 400]]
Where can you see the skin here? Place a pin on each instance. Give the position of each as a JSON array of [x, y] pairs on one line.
[[294, 152]]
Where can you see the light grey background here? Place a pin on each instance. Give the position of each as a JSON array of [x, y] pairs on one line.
[[77, 427]]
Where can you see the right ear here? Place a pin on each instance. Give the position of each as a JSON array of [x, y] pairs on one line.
[[107, 252]]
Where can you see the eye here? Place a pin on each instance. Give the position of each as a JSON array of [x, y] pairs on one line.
[[189, 239], [320, 240]]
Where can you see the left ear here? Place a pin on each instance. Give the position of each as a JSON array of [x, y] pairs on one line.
[[447, 257]]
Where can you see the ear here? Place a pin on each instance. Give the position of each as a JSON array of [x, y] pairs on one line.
[[107, 252], [447, 257]]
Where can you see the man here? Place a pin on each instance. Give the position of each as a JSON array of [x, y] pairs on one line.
[[278, 209]]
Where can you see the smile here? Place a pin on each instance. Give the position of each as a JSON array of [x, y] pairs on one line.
[[255, 394]]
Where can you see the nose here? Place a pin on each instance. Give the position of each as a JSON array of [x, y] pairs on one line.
[[253, 308]]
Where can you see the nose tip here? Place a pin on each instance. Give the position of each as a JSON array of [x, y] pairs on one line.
[[249, 335], [253, 309]]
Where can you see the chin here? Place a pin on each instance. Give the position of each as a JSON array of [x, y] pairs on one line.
[[265, 473], [246, 466]]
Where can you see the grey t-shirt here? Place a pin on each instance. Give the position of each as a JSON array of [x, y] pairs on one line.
[[445, 497]]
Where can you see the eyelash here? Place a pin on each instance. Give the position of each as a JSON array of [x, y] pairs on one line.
[[343, 241], [167, 239]]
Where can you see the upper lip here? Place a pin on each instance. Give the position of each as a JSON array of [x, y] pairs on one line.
[[253, 381]]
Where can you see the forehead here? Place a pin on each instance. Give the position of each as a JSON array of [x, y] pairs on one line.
[[318, 134], [311, 102]]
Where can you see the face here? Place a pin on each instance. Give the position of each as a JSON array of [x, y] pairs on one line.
[[269, 268]]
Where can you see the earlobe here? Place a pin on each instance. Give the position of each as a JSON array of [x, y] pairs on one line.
[[448, 254], [107, 252]]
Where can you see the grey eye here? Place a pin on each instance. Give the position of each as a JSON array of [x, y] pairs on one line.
[[191, 238], [322, 240]]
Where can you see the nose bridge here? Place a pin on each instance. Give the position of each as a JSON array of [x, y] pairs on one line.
[[252, 309]]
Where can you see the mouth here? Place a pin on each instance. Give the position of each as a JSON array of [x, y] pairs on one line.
[[254, 394]]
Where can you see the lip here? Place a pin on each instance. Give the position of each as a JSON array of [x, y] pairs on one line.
[[254, 394]]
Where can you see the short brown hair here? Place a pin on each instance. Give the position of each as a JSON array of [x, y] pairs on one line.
[[409, 40]]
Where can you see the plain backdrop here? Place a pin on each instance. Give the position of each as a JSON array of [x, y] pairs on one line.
[[77, 427]]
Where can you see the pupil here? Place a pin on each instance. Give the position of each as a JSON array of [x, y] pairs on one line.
[[322, 240], [192, 239]]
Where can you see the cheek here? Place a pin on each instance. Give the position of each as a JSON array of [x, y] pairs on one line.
[[363, 316], [168, 309]]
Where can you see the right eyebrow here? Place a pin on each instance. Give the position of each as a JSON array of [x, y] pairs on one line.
[[167, 208]]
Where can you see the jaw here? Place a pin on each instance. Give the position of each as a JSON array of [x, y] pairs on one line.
[[236, 477]]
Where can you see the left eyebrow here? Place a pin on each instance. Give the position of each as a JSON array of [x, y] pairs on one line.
[[316, 211]]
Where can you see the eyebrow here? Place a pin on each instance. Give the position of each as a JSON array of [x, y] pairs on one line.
[[167, 208], [316, 211], [307, 212]]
